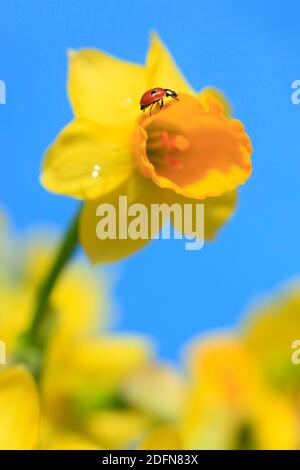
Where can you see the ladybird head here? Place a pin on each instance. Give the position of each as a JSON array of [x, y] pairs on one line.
[[171, 93]]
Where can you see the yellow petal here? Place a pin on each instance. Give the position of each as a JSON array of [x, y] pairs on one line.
[[15, 306], [87, 160], [81, 299], [70, 441], [276, 424], [89, 371], [162, 70], [163, 438], [158, 389], [223, 365], [138, 190], [111, 357], [103, 88], [224, 392], [71, 445], [117, 429], [19, 412], [217, 211]]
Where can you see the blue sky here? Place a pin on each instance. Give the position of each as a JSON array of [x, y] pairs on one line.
[[251, 51]]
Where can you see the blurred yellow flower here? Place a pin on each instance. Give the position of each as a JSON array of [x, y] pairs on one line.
[[191, 148], [82, 387], [85, 390], [231, 406], [103, 390], [228, 404], [20, 415], [19, 411], [244, 386]]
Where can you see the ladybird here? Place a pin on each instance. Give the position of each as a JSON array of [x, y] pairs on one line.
[[155, 95]]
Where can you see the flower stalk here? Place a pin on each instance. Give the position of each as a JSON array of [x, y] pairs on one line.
[[32, 343]]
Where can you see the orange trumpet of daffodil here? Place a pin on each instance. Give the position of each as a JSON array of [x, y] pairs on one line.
[[188, 151]]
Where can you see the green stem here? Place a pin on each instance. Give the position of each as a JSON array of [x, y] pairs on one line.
[[64, 254], [34, 340]]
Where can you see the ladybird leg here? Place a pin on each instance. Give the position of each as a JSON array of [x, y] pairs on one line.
[[161, 103], [151, 108]]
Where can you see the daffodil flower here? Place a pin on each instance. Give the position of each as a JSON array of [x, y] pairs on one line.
[[188, 151]]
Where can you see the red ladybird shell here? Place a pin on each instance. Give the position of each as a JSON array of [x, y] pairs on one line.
[[152, 95]]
